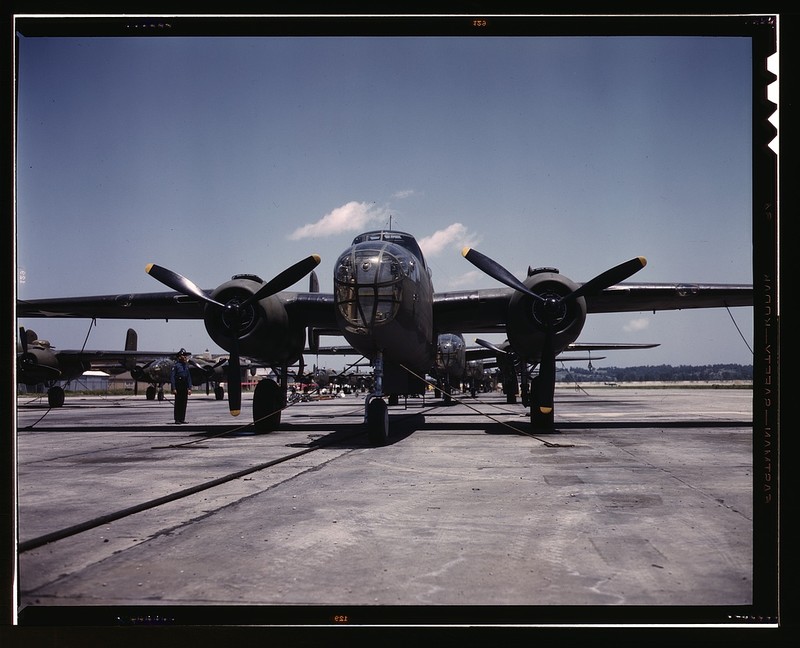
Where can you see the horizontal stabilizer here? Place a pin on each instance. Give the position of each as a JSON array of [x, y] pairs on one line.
[[607, 346]]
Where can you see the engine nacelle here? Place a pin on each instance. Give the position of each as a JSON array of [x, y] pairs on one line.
[[265, 330], [528, 317]]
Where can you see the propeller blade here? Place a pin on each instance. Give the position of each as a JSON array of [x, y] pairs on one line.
[[234, 387], [609, 278], [234, 370], [547, 375], [490, 346], [496, 271], [291, 275], [179, 283]]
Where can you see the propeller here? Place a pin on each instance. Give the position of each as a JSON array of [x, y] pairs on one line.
[[26, 360], [233, 311], [552, 307], [492, 347], [208, 370]]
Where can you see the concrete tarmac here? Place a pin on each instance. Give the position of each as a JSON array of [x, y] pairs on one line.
[[642, 500]]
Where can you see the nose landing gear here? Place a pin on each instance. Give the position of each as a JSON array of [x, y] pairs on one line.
[[376, 411]]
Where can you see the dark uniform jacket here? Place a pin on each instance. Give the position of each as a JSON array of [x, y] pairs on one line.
[[181, 376]]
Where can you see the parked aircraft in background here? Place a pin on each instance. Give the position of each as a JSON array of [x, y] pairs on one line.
[[157, 373], [41, 364], [512, 366], [384, 305], [450, 363]]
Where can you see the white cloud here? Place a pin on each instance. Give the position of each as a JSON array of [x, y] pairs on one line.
[[467, 280], [354, 216], [404, 193], [638, 324], [452, 236]]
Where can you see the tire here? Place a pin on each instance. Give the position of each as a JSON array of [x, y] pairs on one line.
[[267, 400], [378, 422], [55, 396], [542, 422]]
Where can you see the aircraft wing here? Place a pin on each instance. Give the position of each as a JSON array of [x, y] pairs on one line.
[[100, 358], [333, 350], [484, 310], [161, 305], [608, 346], [313, 309], [475, 311], [626, 298]]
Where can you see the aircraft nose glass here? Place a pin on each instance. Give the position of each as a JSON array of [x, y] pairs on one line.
[[368, 286]]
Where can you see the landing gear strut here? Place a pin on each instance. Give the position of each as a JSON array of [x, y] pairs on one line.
[[376, 410]]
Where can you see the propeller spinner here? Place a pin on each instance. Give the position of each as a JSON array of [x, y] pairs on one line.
[[233, 311]]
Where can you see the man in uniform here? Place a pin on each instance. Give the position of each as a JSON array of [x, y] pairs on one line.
[[181, 380]]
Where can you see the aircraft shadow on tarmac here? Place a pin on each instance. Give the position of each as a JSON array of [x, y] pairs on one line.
[[343, 435]]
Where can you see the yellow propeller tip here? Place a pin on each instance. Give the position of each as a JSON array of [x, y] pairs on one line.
[[545, 410], [465, 251], [643, 261], [148, 267], [316, 257], [235, 412]]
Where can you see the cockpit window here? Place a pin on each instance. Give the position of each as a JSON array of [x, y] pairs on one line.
[[368, 283], [399, 238]]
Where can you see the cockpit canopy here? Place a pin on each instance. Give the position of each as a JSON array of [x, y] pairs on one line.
[[402, 239], [369, 276]]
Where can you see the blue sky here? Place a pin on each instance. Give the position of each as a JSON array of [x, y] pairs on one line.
[[217, 156]]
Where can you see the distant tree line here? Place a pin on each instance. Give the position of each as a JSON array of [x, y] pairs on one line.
[[657, 373]]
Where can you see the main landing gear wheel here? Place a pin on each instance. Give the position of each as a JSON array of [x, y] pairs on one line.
[[55, 396], [378, 421], [267, 405], [219, 393], [540, 421], [150, 394]]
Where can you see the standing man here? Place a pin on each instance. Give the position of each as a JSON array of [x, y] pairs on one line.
[[181, 381]]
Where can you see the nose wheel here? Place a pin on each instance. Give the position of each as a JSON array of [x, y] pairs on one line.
[[377, 415]]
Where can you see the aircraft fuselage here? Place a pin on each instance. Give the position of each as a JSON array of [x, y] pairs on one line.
[[384, 299], [451, 356], [42, 366]]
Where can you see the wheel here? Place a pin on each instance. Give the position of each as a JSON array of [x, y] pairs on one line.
[[55, 396], [150, 394], [267, 405], [541, 422], [219, 392], [160, 394], [378, 422]]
